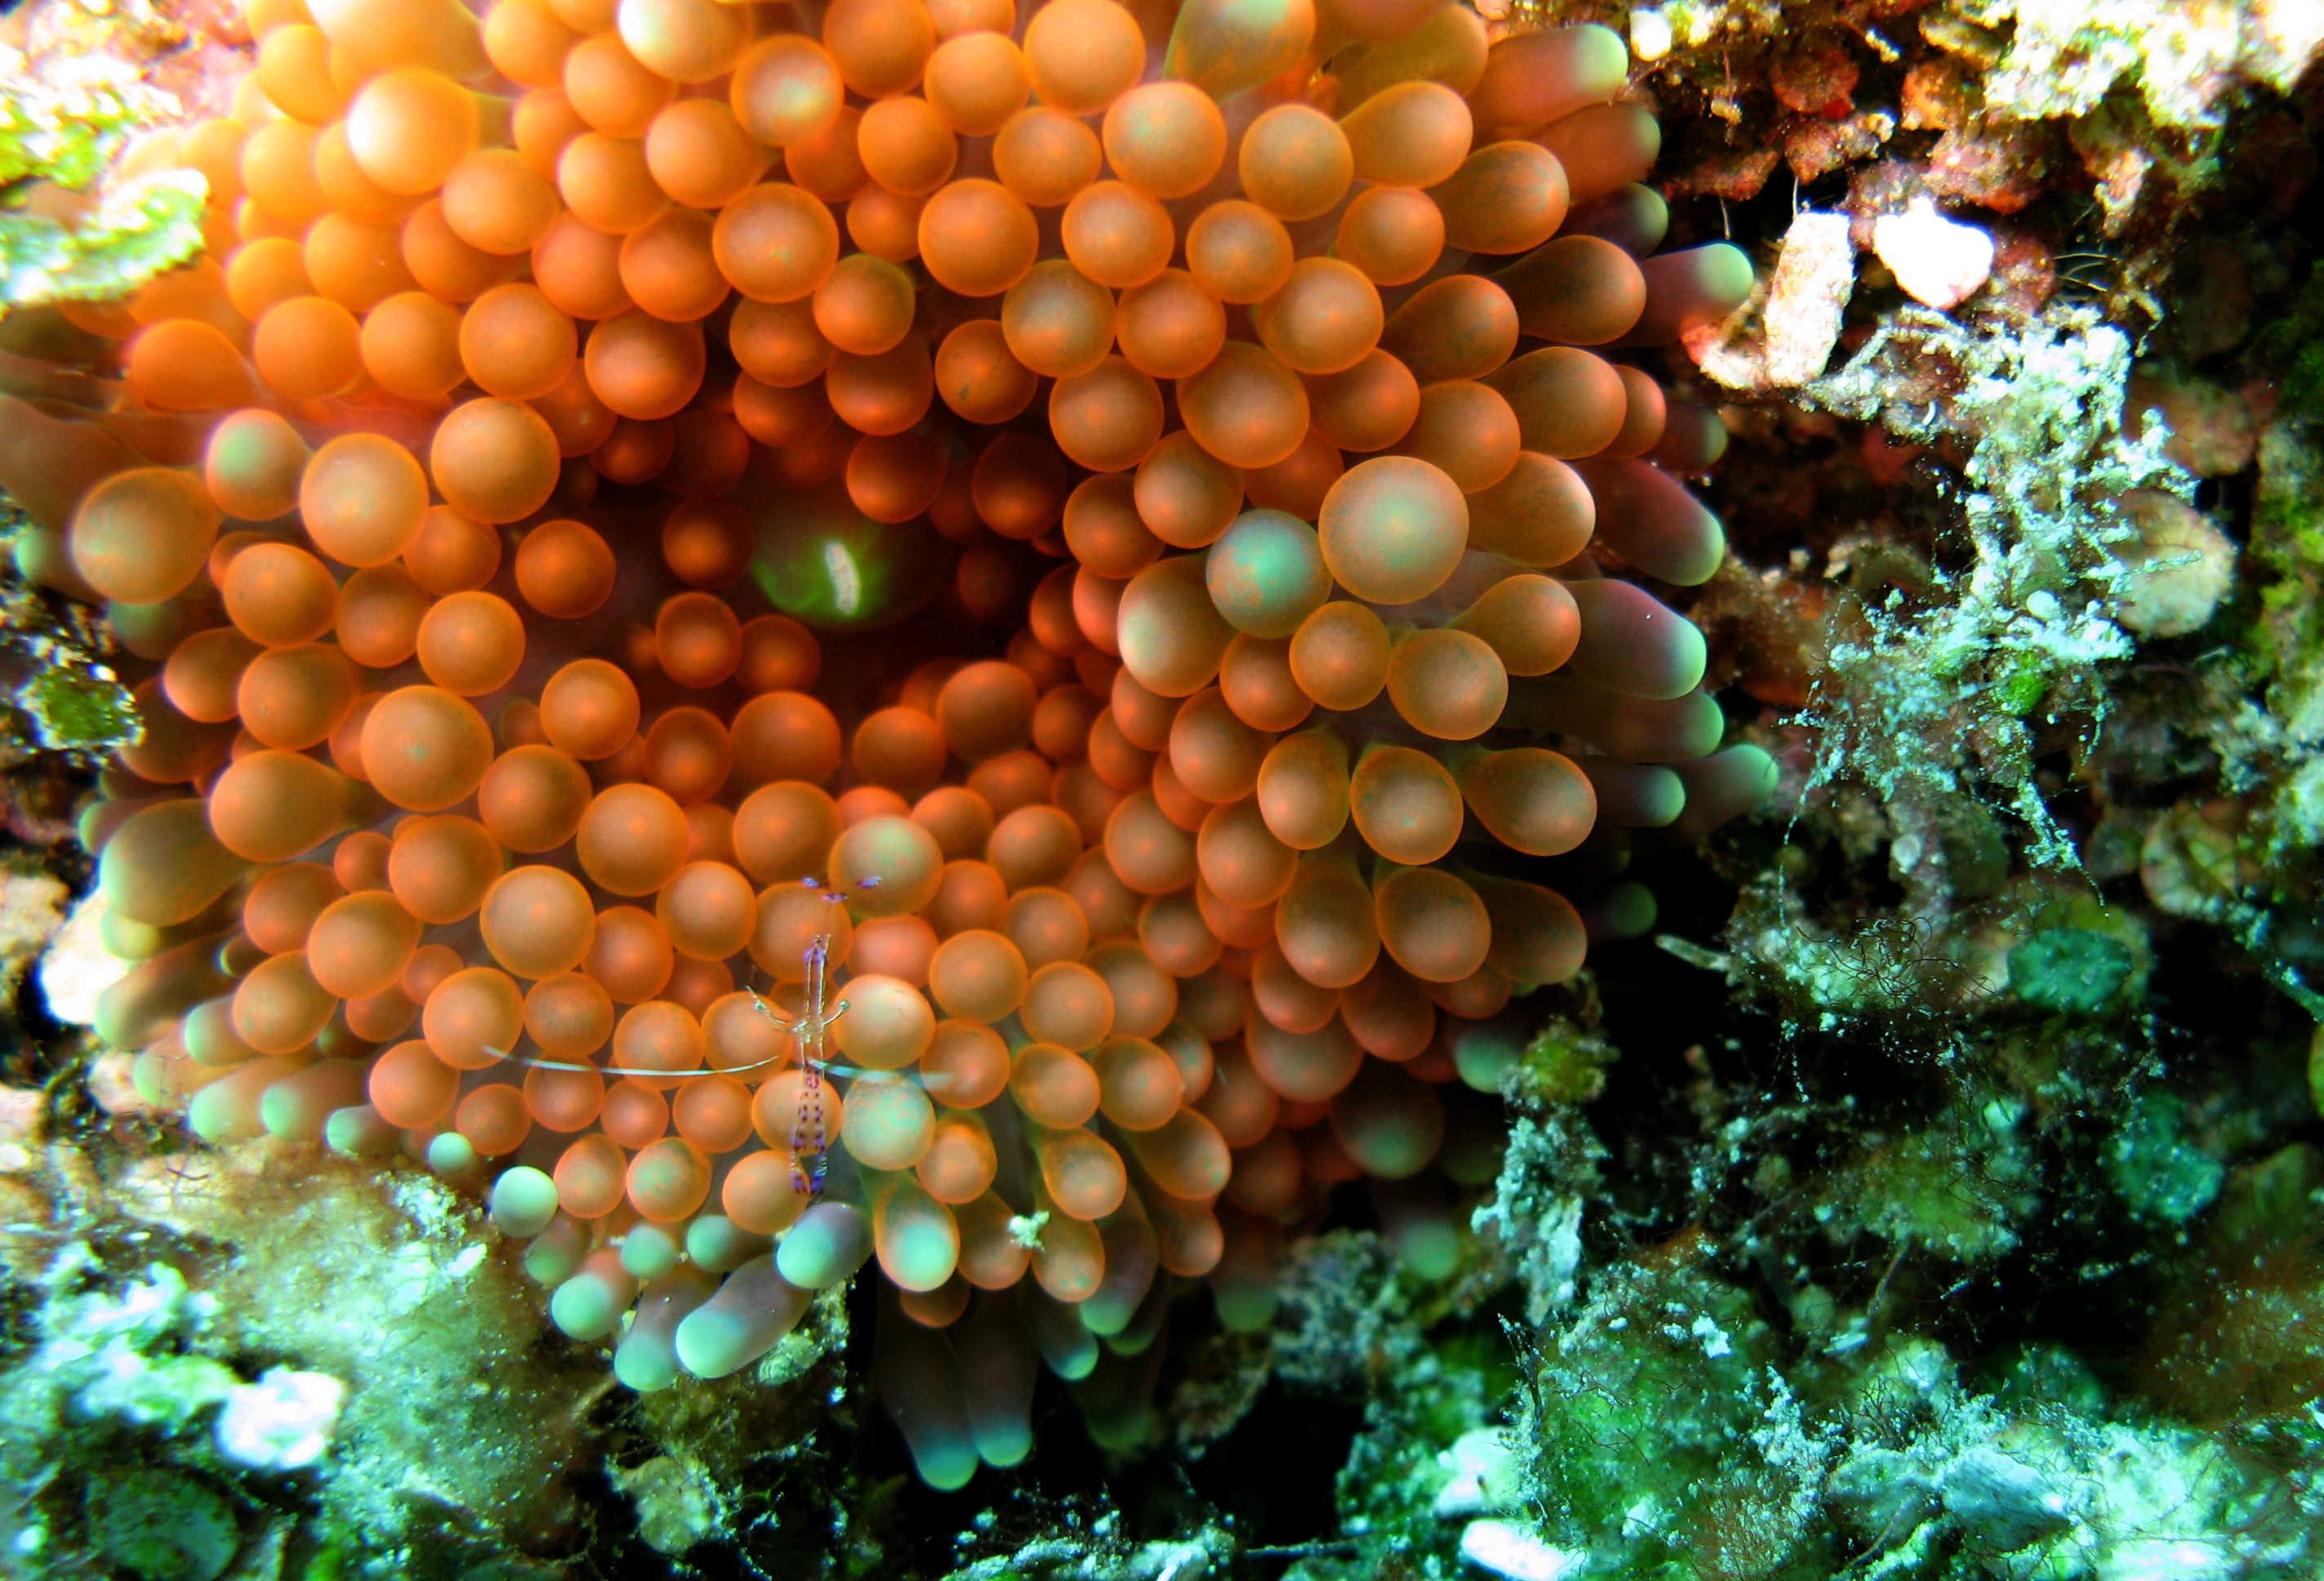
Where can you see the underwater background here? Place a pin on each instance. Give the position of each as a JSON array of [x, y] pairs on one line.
[[1566, 778]]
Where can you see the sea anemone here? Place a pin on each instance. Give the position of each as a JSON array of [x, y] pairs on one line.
[[475, 506]]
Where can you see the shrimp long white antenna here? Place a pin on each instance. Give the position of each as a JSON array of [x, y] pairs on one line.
[[808, 1032]]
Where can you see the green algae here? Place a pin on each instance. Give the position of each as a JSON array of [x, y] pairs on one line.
[[79, 710], [2072, 970], [64, 130], [135, 233]]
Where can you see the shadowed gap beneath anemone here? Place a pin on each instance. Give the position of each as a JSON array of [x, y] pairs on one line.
[[1274, 1476]]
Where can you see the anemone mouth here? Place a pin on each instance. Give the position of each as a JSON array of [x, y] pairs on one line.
[[824, 564]]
